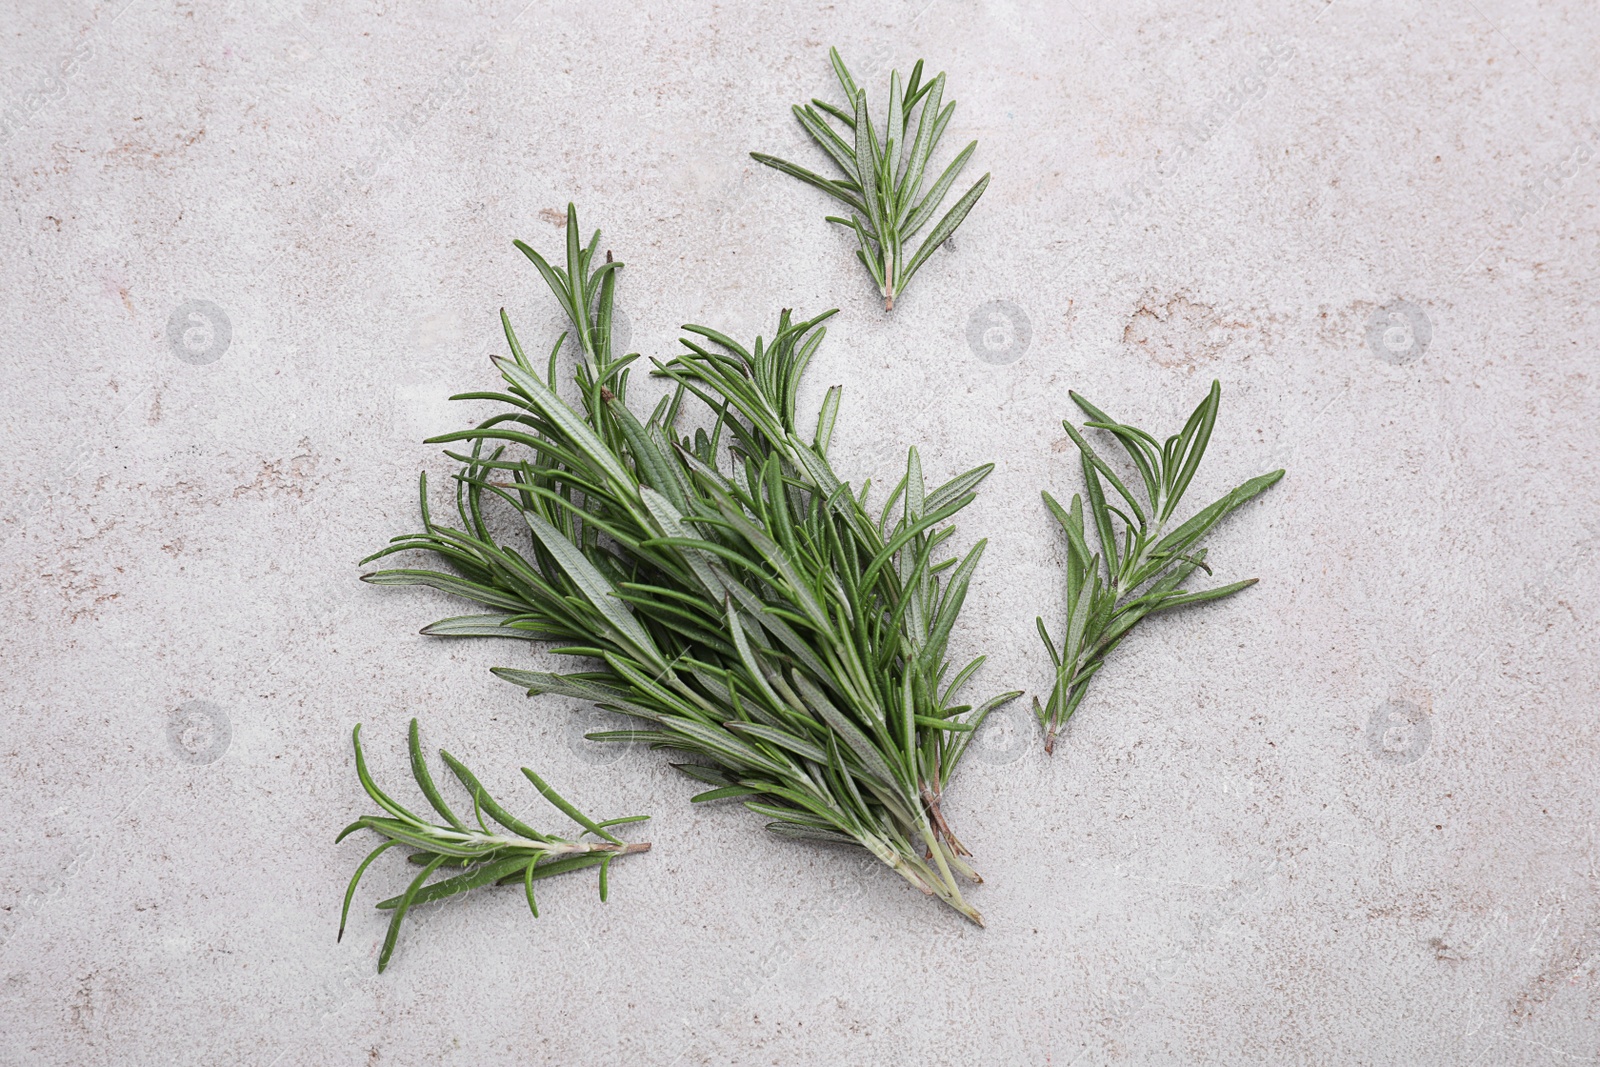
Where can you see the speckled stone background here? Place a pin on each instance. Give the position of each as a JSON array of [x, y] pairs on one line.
[[1348, 817]]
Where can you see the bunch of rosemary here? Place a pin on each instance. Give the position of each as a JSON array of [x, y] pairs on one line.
[[728, 589], [1142, 571], [884, 176]]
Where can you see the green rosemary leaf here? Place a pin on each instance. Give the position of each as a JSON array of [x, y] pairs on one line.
[[523, 627], [945, 228], [419, 771], [1091, 459], [626, 737], [595, 587], [920, 525], [829, 141], [482, 799], [958, 747], [825, 420], [654, 462], [872, 759], [961, 487], [724, 792], [1191, 531], [840, 191], [573, 813], [941, 724], [349, 893], [702, 773], [1179, 599], [846, 82], [955, 595], [576, 432], [1102, 514], [446, 583], [528, 877], [747, 658], [929, 204], [782, 738], [718, 744], [911, 178], [567, 685], [378, 795], [807, 833], [475, 878], [400, 910]]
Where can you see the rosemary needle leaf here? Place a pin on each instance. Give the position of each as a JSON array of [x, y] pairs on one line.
[[1112, 590], [486, 858], [882, 175], [728, 589]]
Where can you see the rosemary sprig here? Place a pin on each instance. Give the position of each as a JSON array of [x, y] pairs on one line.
[[753, 612], [1147, 573], [883, 176], [516, 853]]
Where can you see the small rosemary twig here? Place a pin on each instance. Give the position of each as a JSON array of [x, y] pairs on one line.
[[1146, 575], [883, 176], [484, 856]]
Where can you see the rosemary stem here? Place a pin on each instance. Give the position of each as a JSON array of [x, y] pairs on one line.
[[902, 858]]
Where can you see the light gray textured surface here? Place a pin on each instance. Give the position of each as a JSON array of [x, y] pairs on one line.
[[1347, 817]]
